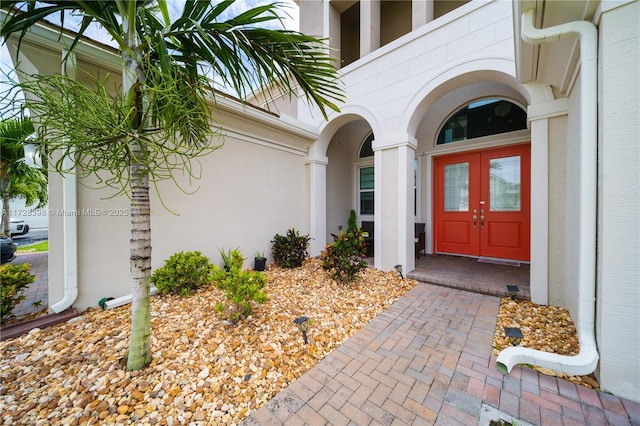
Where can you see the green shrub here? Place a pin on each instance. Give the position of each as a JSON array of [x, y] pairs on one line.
[[182, 273], [242, 289], [233, 259], [290, 251], [14, 281], [345, 256], [351, 222]]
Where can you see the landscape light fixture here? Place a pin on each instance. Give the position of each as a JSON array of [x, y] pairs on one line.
[[513, 291], [514, 334], [303, 325], [398, 268]]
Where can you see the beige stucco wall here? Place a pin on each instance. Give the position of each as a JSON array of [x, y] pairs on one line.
[[564, 190], [559, 214], [387, 176], [252, 188], [618, 298], [249, 191]]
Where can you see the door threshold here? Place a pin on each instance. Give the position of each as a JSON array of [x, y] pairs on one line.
[[504, 262]]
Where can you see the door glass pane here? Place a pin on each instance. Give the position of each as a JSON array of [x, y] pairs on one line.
[[456, 187], [504, 184]]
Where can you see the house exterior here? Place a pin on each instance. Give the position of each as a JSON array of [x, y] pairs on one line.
[[510, 129]]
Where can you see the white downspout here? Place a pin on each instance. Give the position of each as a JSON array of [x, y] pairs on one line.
[[69, 226], [587, 359], [69, 243]]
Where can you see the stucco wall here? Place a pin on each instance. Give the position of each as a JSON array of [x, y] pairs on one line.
[[248, 192], [387, 176], [559, 212], [563, 276], [618, 316]]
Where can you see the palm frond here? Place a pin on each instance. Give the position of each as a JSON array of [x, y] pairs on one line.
[[247, 56]]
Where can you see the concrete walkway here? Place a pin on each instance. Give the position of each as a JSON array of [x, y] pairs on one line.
[[427, 360]]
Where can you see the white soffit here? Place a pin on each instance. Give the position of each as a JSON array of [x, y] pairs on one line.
[[552, 63]]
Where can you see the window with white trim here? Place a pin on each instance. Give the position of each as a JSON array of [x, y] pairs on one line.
[[366, 177], [366, 190]]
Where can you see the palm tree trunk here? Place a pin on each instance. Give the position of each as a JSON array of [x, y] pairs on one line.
[[6, 217], [139, 355]]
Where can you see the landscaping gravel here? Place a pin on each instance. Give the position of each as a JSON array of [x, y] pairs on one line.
[[205, 370]]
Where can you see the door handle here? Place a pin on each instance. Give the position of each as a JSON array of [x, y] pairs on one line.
[[481, 221], [475, 217]]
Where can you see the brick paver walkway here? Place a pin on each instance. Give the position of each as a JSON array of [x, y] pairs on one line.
[[427, 360], [38, 291]]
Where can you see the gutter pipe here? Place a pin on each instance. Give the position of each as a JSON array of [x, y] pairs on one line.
[[69, 222], [69, 243], [587, 359]]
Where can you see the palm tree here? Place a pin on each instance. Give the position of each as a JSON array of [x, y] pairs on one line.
[[163, 118], [17, 178]]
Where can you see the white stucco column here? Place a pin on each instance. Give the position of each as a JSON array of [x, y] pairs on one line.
[[394, 198], [539, 115], [369, 26], [421, 13], [317, 175], [314, 17]]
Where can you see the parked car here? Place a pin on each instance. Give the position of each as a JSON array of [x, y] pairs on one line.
[[8, 252], [19, 226]]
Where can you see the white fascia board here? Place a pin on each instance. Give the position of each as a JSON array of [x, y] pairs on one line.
[[283, 123], [51, 38]]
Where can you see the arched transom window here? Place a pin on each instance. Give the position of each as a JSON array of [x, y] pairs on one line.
[[482, 118]]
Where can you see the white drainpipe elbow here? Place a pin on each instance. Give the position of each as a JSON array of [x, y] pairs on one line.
[[70, 243], [123, 300], [579, 365], [587, 359]]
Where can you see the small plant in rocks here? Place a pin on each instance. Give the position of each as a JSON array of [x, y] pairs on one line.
[[345, 257], [14, 280], [182, 273], [290, 250], [241, 287], [233, 259]]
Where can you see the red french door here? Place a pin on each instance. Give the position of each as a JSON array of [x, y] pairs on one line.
[[483, 203]]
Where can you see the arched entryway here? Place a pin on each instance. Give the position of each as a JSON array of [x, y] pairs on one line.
[[341, 172], [350, 176], [472, 169]]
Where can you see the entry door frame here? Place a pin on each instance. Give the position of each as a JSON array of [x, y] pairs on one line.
[[477, 238]]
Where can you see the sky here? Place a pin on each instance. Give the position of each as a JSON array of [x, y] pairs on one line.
[[290, 22]]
